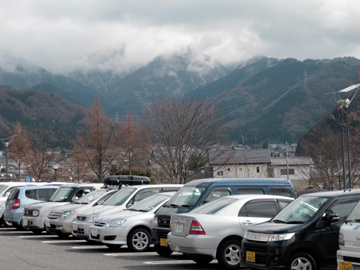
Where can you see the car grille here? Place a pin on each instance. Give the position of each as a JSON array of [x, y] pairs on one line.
[[79, 231], [81, 218], [259, 249], [28, 212], [164, 222], [99, 223], [162, 233], [54, 215], [351, 259]]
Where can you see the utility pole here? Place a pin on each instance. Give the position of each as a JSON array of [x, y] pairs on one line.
[[6, 143]]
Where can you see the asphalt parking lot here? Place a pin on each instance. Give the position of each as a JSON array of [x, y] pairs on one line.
[[25, 250]]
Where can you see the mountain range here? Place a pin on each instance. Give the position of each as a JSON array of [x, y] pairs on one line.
[[260, 100]]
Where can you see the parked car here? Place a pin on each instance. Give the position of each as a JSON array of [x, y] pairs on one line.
[[124, 198], [59, 219], [35, 214], [131, 226], [198, 192], [215, 230], [348, 256], [20, 197], [304, 235]]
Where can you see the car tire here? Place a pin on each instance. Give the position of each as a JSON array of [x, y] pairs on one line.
[[37, 231], [228, 254], [163, 251], [18, 227], [301, 260], [139, 240], [113, 247], [201, 259]]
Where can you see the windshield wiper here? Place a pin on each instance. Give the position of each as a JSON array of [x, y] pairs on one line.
[[185, 205], [175, 205], [278, 221], [295, 222]]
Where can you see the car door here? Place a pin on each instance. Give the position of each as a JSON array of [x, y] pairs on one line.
[[330, 232], [257, 211]]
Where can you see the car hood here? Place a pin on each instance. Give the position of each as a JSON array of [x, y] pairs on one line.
[[71, 207], [45, 205], [125, 215], [102, 209], [274, 228]]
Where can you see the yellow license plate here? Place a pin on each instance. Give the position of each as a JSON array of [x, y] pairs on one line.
[[345, 265], [163, 242], [250, 256]]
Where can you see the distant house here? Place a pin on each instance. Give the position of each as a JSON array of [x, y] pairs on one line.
[[240, 162], [296, 169]]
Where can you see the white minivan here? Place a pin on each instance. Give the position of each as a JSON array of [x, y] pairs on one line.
[[348, 256]]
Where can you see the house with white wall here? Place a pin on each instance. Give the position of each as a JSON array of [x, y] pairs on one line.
[[240, 162]]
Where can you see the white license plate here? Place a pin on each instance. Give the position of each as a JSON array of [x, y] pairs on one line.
[[93, 232], [24, 222], [179, 227], [47, 223], [75, 226]]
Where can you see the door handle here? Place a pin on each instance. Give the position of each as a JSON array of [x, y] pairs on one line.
[[247, 222]]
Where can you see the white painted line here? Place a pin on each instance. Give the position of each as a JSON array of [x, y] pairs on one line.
[[38, 235], [90, 247], [61, 241], [126, 254], [10, 232], [172, 262]]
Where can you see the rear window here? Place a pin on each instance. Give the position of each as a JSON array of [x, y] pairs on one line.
[[14, 194], [213, 207], [281, 192]]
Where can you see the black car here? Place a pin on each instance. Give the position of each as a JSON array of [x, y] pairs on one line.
[[304, 235]]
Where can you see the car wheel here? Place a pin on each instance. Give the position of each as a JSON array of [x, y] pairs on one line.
[[201, 259], [113, 247], [301, 260], [37, 231], [7, 223], [228, 254], [139, 240], [163, 251]]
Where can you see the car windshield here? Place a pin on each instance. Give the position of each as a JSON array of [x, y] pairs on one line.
[[2, 187], [300, 210], [355, 213], [120, 197], [90, 197], [186, 197], [149, 203], [211, 208], [61, 194]]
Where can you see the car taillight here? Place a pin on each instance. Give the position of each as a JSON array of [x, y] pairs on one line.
[[196, 228], [16, 204]]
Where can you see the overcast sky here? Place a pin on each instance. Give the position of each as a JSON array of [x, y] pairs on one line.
[[61, 35]]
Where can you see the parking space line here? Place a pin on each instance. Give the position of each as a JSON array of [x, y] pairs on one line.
[[38, 235], [126, 254], [61, 241], [173, 262], [91, 247]]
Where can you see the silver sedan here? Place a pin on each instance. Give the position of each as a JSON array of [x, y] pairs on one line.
[[215, 229], [131, 227]]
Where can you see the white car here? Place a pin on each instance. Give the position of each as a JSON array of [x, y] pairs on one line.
[[124, 198], [131, 227], [215, 229]]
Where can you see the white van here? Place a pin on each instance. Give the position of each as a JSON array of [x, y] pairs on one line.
[[348, 256]]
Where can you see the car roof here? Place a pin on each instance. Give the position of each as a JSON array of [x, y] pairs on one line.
[[37, 187], [333, 193], [257, 196], [250, 181]]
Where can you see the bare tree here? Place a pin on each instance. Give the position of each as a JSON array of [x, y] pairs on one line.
[[18, 148], [134, 142], [181, 129], [97, 145]]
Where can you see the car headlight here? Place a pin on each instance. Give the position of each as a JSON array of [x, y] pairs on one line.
[[155, 224], [115, 223], [93, 216], [66, 214], [281, 237], [341, 239], [35, 213]]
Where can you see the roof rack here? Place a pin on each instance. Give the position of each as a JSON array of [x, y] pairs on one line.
[[130, 180]]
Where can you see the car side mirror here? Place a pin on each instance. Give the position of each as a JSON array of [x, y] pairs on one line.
[[74, 199], [331, 217]]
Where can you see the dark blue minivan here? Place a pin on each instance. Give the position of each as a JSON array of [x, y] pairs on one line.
[[198, 192]]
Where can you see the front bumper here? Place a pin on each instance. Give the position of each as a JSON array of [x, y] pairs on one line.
[[80, 229], [109, 235], [30, 222], [350, 259], [194, 244], [56, 225], [158, 233]]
